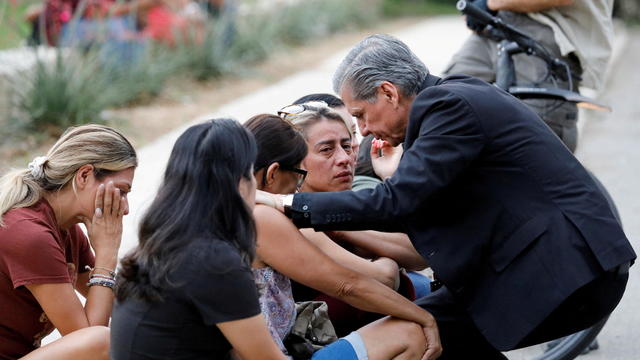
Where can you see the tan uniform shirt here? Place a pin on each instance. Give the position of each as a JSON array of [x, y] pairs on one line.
[[586, 29]]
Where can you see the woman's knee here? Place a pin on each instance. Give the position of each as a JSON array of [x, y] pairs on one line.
[[91, 343], [98, 339], [412, 335], [391, 338], [390, 272]]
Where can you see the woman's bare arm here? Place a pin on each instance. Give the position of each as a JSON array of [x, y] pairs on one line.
[[282, 246], [396, 246], [384, 270], [59, 300], [250, 339], [525, 6], [64, 309]]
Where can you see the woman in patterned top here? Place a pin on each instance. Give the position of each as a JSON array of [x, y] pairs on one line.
[[282, 252]]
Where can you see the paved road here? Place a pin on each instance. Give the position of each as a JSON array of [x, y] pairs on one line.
[[611, 149]]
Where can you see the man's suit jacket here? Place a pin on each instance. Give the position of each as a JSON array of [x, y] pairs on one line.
[[505, 215]]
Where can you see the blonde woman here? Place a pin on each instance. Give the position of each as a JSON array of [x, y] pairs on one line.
[[45, 257]]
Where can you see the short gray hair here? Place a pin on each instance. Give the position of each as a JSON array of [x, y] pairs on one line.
[[380, 58]]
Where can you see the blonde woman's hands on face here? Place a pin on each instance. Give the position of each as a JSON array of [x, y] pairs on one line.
[[385, 158], [105, 227]]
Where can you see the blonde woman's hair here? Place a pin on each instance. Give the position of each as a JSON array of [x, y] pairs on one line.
[[101, 146], [314, 112]]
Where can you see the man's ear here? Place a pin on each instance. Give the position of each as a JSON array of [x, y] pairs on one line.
[[271, 172], [83, 176], [389, 92]]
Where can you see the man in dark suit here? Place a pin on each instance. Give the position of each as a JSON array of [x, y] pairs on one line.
[[526, 245]]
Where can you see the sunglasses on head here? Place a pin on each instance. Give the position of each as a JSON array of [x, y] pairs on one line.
[[296, 109]]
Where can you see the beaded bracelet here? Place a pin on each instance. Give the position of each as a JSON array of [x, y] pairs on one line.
[[111, 284], [102, 277]]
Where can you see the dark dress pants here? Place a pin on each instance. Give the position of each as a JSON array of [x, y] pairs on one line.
[[584, 308], [461, 339], [459, 336]]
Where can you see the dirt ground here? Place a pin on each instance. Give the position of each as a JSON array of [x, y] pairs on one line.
[[183, 100]]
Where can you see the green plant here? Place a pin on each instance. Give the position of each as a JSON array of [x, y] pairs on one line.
[[82, 82], [144, 77], [13, 28], [77, 86], [255, 37], [203, 52], [231, 43], [394, 8], [70, 91]]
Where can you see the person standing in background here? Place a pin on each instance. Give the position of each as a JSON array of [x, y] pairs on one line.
[[578, 32]]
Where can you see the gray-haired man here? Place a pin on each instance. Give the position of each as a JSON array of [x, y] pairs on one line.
[[524, 242]]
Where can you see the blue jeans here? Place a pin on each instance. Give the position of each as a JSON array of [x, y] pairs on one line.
[[115, 37], [421, 284], [350, 347]]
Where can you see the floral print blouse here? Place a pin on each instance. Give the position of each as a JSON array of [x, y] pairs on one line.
[[276, 303]]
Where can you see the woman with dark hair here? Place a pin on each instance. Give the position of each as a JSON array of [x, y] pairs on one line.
[[187, 291], [280, 150], [283, 253]]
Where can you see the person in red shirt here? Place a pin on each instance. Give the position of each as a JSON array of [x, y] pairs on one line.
[[44, 255]]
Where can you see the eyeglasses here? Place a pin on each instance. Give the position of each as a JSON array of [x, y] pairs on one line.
[[296, 109], [300, 173]]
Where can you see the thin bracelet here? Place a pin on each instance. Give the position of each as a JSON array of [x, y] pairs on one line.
[[92, 270]]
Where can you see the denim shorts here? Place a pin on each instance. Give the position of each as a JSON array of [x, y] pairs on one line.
[[350, 347]]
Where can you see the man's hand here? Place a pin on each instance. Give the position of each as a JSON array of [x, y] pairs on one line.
[[269, 199], [473, 23]]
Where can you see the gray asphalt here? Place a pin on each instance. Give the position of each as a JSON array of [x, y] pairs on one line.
[[611, 149]]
